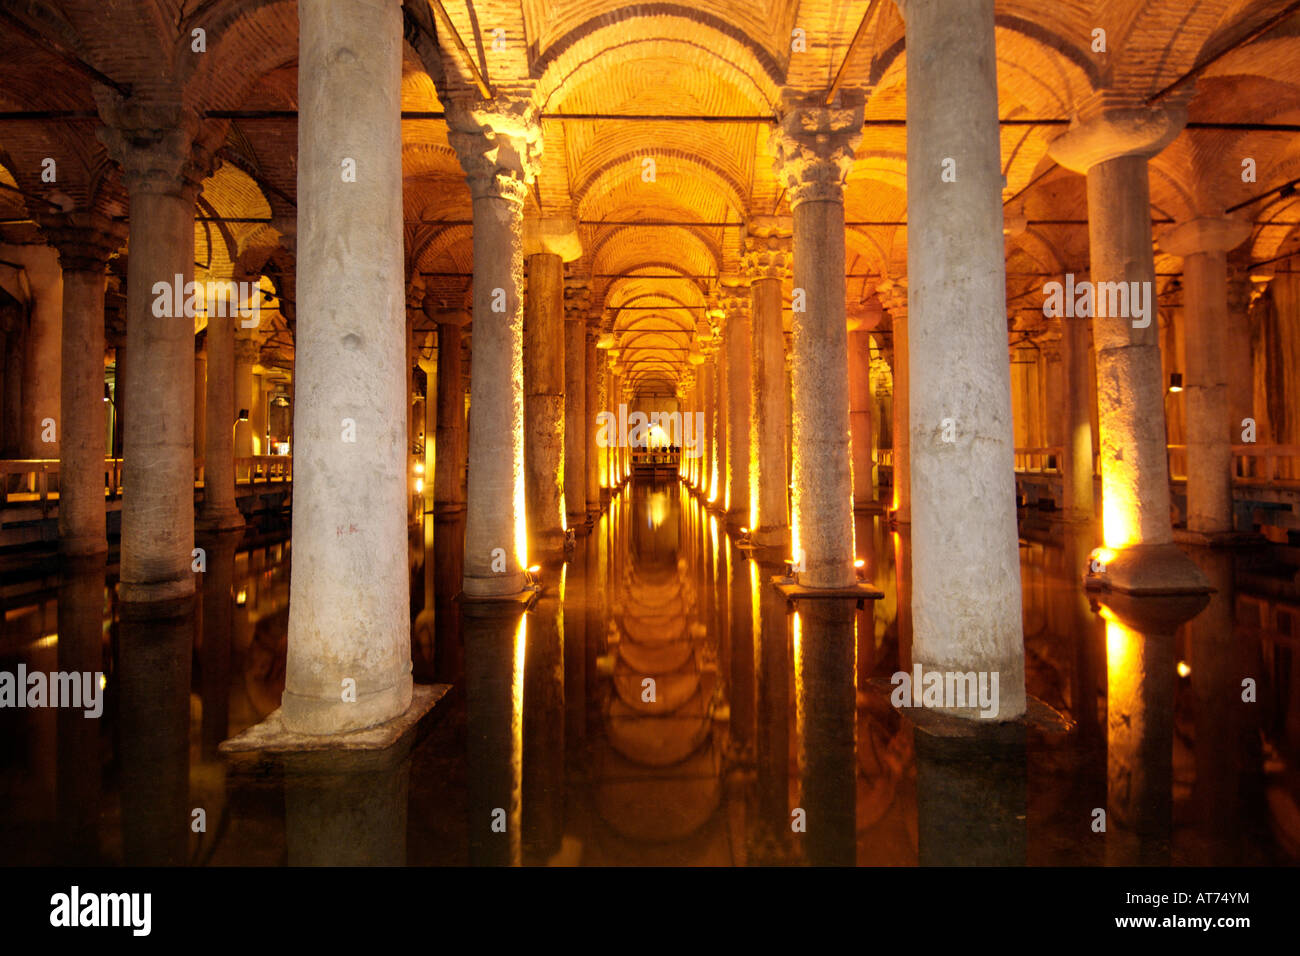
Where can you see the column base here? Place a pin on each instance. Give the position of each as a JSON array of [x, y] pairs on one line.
[[1216, 539], [737, 518], [83, 546], [546, 544], [316, 716], [1150, 569], [775, 538], [498, 587], [154, 592], [219, 521], [794, 591], [271, 737]]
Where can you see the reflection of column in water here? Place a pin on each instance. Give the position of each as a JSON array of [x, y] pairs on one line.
[[743, 585], [1140, 724], [449, 565], [576, 615], [1228, 791], [216, 629], [495, 642], [155, 644], [424, 641], [827, 726], [772, 739], [970, 798], [543, 719], [347, 809], [79, 762], [902, 538], [1087, 680]]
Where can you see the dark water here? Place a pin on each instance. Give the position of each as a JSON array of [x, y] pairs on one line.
[[766, 738]]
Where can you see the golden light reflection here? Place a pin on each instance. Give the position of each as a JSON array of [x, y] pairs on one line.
[[1184, 669], [657, 509], [1120, 522]]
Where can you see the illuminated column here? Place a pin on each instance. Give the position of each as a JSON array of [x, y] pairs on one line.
[[591, 408], [39, 408], [767, 262], [498, 144], [449, 449], [602, 404], [544, 403], [864, 486], [1203, 244], [739, 345], [349, 657], [1112, 146], [1079, 492], [158, 437], [576, 298], [718, 496], [247, 353], [708, 396], [902, 453], [814, 150], [218, 511], [966, 556], [85, 242]]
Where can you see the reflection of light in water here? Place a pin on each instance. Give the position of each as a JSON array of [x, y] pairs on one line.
[[657, 506]]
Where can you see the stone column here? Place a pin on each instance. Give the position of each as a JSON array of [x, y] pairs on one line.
[[247, 352], [768, 262], [544, 404], [591, 408], [605, 479], [814, 150], [219, 511], [576, 300], [966, 559], [1203, 244], [902, 477], [718, 496], [1112, 145], [349, 658], [449, 448], [498, 144], [153, 145], [707, 396], [1078, 491], [864, 485], [86, 241], [738, 341], [40, 379]]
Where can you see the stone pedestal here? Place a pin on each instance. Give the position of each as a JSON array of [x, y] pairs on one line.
[[966, 602], [349, 657], [1112, 144], [498, 144], [814, 149], [1203, 244], [768, 263]]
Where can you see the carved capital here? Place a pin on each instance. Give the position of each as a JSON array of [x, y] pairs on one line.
[[813, 147], [498, 142], [768, 248], [577, 298], [734, 299], [155, 144], [1110, 126], [85, 240], [1204, 234]]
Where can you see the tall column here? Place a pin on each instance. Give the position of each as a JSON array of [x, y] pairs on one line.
[[602, 396], [718, 497], [219, 511], [1112, 146], [247, 352], [1203, 244], [966, 556], [86, 241], [708, 459], [498, 145], [864, 486], [739, 345], [449, 448], [767, 262], [153, 145], [902, 419], [544, 403], [1079, 492], [576, 300], [200, 397], [591, 408], [814, 150], [349, 658], [40, 379]]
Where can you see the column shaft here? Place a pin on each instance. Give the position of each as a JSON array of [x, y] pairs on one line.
[[1209, 426], [902, 452], [219, 511], [591, 408], [864, 485], [772, 526], [544, 404], [739, 345], [82, 450], [575, 420], [450, 450], [1079, 489]]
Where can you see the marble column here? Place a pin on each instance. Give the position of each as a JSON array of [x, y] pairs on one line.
[[544, 403], [1078, 492], [153, 144], [576, 300], [41, 392], [902, 422], [218, 511], [591, 408], [247, 353], [718, 496], [1203, 244], [707, 394], [966, 559], [499, 144], [738, 341], [814, 148], [450, 444], [349, 657], [86, 241], [767, 263], [1112, 143], [864, 486]]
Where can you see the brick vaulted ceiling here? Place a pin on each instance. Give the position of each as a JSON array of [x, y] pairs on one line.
[[653, 283]]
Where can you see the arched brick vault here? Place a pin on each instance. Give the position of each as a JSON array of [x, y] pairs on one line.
[[708, 57]]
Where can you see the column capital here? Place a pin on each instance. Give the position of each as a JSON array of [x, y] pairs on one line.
[[577, 298], [557, 237], [498, 142], [1204, 234], [768, 248], [85, 240], [813, 146], [1109, 127], [155, 144], [734, 298], [247, 350]]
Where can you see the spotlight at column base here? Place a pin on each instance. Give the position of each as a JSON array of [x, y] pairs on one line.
[[1149, 569]]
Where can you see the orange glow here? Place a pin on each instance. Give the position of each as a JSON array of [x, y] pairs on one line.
[[1184, 668], [1120, 522]]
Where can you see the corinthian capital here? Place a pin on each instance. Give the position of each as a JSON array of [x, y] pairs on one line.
[[813, 147], [499, 143], [767, 248], [155, 146]]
